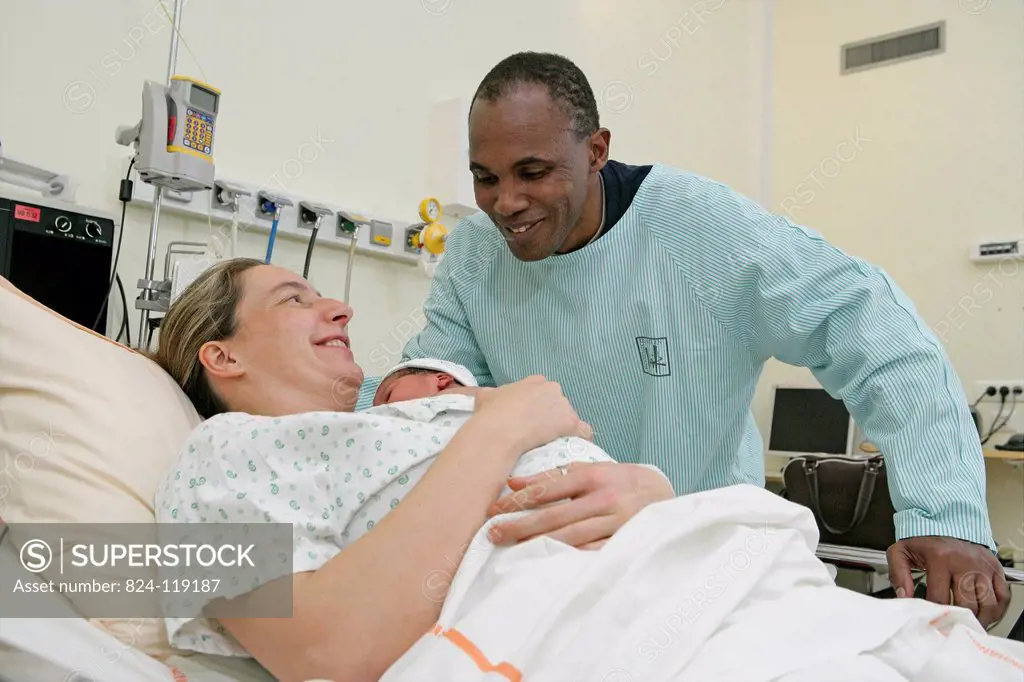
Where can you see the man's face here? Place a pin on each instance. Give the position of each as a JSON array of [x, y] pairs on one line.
[[530, 170]]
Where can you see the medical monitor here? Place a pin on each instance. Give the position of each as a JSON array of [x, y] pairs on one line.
[[808, 421]]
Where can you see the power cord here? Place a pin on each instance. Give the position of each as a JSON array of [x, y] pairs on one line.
[[309, 252], [1006, 420], [124, 195], [996, 424], [989, 392], [125, 327]]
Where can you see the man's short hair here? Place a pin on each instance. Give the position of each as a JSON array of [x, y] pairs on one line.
[[566, 84]]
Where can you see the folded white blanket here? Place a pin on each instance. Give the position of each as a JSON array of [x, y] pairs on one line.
[[722, 585]]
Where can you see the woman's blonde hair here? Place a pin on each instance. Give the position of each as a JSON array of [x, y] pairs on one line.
[[203, 312]]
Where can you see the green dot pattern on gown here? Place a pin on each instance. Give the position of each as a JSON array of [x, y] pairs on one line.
[[331, 475]]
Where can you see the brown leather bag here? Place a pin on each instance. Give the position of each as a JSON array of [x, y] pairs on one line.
[[849, 497]]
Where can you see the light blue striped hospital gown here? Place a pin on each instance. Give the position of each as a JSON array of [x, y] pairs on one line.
[[658, 332]]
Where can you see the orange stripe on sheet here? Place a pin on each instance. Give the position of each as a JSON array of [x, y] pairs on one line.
[[934, 622], [987, 651], [506, 670], [997, 655]]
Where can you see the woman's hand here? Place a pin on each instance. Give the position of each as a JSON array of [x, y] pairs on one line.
[[599, 499], [532, 412]]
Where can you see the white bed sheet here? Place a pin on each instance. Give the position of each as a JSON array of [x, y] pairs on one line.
[[70, 649]]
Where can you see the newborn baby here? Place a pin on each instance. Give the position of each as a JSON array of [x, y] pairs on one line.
[[431, 390], [417, 384], [424, 378]]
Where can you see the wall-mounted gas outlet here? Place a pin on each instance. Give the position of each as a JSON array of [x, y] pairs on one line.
[[1011, 385], [348, 225], [410, 232], [267, 203], [297, 216], [310, 215]]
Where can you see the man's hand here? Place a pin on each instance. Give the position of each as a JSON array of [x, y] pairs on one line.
[[967, 570], [598, 499]]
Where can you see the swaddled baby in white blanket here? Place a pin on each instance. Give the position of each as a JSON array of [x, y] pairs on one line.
[[415, 384], [332, 475], [438, 391]]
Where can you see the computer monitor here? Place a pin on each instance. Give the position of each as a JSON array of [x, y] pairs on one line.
[[808, 421]]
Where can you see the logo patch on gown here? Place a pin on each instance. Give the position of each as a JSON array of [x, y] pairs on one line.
[[654, 358]]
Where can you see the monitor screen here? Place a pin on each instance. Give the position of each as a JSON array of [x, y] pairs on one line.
[[204, 99], [809, 420]]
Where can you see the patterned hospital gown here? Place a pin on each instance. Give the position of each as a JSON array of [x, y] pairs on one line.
[[332, 475]]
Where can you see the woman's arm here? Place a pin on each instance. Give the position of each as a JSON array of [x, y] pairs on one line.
[[358, 613]]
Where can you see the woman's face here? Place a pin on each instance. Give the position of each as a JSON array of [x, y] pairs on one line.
[[291, 345]]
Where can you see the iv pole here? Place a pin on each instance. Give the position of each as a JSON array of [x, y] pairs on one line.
[[147, 284]]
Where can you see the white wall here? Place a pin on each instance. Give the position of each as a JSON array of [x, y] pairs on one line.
[[361, 78], [684, 83], [906, 166]]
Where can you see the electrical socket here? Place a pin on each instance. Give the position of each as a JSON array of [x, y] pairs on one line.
[[980, 386]]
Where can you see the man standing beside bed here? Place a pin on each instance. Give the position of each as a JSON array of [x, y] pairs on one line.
[[580, 267]]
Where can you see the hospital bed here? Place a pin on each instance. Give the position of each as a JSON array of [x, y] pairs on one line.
[[110, 405], [28, 650], [29, 653]]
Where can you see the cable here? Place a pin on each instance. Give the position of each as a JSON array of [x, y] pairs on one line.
[[990, 391], [170, 20], [273, 236], [1002, 403], [234, 232], [309, 250], [124, 319], [125, 327], [351, 257], [125, 195], [1006, 419]]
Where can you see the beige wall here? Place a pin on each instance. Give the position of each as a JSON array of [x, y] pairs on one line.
[[931, 150], [907, 166], [363, 80]]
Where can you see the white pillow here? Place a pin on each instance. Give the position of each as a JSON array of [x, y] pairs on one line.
[[87, 429]]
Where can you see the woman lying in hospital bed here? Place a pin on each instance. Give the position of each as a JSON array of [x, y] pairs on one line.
[[395, 578]]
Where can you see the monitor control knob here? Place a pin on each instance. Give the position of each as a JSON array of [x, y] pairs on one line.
[[93, 229], [63, 223]]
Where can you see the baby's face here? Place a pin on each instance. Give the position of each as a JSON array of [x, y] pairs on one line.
[[409, 387], [415, 386]]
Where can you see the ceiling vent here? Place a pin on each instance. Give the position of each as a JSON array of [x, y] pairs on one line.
[[894, 48]]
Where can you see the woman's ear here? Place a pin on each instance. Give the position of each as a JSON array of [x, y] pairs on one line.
[[218, 360]]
